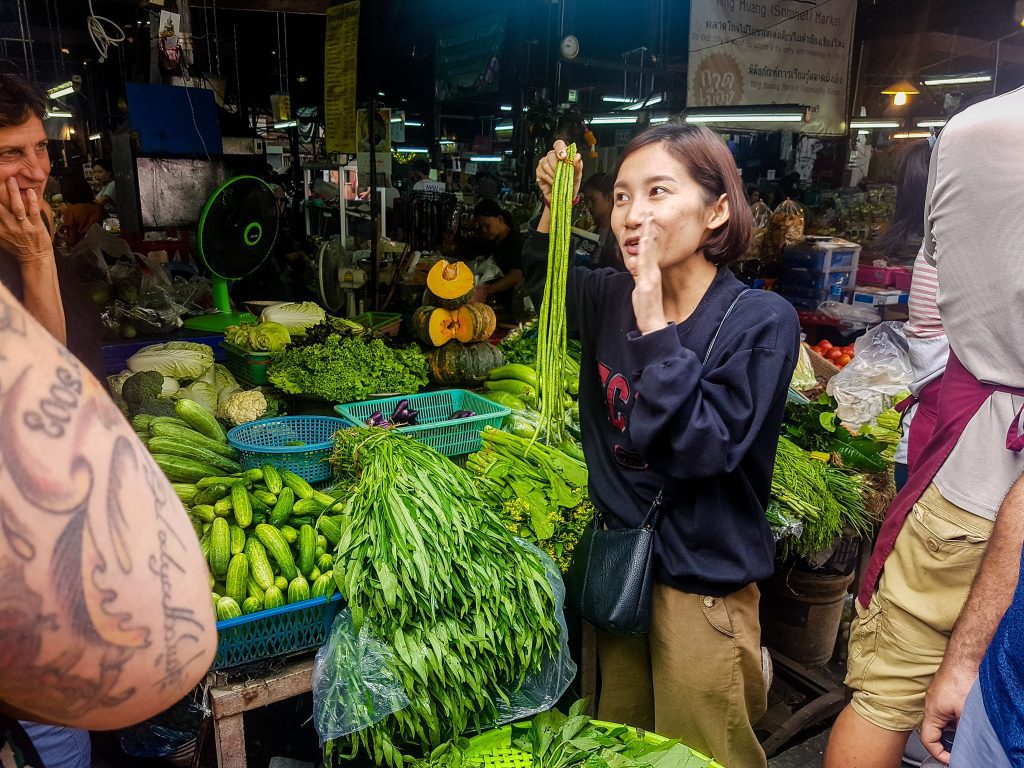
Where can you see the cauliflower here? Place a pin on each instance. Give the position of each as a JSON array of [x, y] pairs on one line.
[[243, 407]]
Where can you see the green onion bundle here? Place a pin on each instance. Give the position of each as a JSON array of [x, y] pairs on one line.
[[433, 571], [551, 328]]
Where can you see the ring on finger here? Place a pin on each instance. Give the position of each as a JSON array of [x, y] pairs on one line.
[[22, 218]]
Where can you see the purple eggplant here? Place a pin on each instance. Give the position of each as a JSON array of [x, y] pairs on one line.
[[404, 415], [463, 414], [377, 420]]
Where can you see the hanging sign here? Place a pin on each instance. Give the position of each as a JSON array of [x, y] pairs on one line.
[[468, 57], [760, 52], [340, 49]]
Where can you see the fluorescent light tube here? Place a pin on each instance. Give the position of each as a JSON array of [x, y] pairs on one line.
[[396, 119], [504, 128], [931, 123], [617, 99], [413, 124], [58, 113], [506, 107], [485, 159], [767, 117], [413, 150], [875, 124], [286, 124], [64, 89], [95, 136], [641, 105], [964, 80], [659, 120], [614, 120], [912, 135]]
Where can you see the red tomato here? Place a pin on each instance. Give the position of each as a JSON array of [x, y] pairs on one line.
[[834, 353], [848, 350], [824, 345], [842, 360]]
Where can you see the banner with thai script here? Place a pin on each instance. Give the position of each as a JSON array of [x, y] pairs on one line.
[[761, 52]]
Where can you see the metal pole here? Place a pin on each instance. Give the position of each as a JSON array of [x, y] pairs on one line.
[[995, 72], [374, 249]]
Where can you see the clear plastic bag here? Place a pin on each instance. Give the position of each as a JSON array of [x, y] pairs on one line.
[[169, 732], [851, 317], [354, 685], [879, 372]]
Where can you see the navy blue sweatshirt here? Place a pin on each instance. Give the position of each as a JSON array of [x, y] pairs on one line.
[[653, 417]]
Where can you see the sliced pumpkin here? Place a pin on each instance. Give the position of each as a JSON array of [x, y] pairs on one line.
[[434, 326], [474, 322], [449, 284]]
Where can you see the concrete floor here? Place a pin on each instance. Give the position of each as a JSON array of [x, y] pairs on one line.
[[805, 755]]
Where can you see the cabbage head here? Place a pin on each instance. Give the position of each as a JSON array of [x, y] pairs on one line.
[[175, 359]]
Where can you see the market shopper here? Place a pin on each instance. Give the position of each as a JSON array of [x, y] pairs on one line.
[[105, 605], [656, 419], [937, 528]]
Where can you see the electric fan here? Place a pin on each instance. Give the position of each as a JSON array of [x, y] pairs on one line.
[[237, 229], [338, 277]]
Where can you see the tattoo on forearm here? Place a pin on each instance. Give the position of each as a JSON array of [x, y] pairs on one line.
[[68, 466]]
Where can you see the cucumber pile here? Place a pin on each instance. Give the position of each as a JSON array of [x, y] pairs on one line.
[[263, 531]]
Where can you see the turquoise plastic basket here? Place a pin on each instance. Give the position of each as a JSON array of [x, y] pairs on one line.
[[449, 437], [266, 442], [275, 632]]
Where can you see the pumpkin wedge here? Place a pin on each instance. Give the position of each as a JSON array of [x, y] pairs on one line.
[[474, 322], [434, 326], [449, 284]]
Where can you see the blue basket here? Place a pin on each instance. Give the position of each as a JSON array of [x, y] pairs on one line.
[[449, 437], [275, 632], [266, 442]]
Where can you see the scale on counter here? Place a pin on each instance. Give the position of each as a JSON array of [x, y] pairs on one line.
[[237, 230]]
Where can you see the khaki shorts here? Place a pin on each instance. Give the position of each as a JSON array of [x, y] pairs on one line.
[[897, 642]]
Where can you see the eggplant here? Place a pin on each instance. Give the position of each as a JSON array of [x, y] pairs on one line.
[[377, 420], [463, 414], [403, 414]]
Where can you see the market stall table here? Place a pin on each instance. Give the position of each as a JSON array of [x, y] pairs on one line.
[[230, 702]]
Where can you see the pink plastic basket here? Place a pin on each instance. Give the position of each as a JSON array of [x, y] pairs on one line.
[[884, 277]]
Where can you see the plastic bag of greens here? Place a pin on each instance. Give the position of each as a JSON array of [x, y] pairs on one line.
[[355, 684]]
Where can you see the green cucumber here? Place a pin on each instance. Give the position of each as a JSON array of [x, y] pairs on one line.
[[173, 446], [200, 419]]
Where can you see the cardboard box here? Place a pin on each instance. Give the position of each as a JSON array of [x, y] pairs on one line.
[[880, 297]]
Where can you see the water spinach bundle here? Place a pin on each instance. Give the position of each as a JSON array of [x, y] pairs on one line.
[[433, 571]]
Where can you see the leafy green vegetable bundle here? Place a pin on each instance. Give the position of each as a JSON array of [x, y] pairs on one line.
[[520, 345], [542, 491], [433, 571], [345, 369], [826, 499], [573, 741]]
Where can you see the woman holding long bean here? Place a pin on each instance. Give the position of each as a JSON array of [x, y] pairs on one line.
[[656, 417]]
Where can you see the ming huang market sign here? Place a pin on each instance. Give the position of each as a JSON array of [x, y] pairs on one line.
[[756, 52]]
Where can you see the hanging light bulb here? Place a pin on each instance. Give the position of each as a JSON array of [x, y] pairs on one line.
[[900, 91]]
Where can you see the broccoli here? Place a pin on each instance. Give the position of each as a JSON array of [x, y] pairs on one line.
[[157, 406], [140, 387]]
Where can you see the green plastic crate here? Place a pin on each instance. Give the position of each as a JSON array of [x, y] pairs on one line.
[[387, 323], [248, 367], [449, 437], [493, 749]]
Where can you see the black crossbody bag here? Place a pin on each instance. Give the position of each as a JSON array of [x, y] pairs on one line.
[[611, 575]]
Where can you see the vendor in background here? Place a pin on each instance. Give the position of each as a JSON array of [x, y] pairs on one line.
[[76, 211], [103, 175], [506, 248], [419, 175], [597, 195], [682, 394]]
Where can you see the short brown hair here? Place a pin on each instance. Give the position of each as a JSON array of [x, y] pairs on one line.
[[707, 159], [19, 100]]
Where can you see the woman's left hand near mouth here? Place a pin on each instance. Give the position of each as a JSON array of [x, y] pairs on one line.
[[647, 295], [22, 231]]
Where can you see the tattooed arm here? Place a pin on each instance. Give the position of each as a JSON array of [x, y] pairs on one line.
[[105, 612]]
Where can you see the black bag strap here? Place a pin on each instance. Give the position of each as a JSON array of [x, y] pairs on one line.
[[711, 346], [651, 520]]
